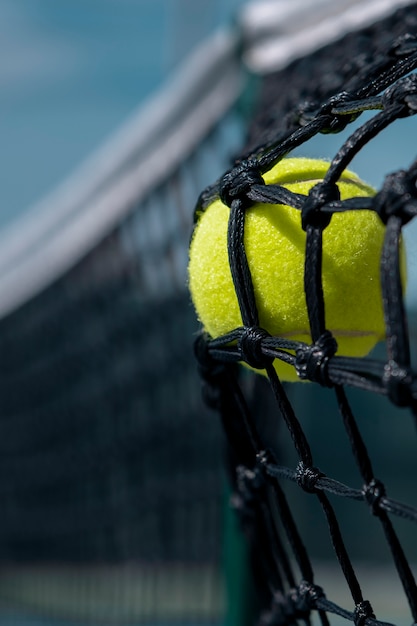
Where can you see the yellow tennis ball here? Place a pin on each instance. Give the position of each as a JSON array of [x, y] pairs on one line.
[[275, 248]]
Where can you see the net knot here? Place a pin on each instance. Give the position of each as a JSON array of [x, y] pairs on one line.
[[397, 381], [307, 595], [295, 605], [397, 197], [336, 121], [307, 477], [373, 492], [250, 347], [311, 362], [319, 195], [250, 483], [208, 366], [236, 184], [289, 608], [263, 459], [404, 93], [363, 611]]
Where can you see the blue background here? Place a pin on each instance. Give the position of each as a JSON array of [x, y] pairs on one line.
[[72, 71]]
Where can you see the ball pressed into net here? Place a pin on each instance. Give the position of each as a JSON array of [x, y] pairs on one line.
[[275, 248]]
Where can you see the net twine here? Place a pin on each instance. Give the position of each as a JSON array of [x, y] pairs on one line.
[[386, 86]]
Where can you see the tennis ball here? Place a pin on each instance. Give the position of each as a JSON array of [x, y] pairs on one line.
[[275, 248]]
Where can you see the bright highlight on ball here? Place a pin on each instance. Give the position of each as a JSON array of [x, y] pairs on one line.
[[275, 249]]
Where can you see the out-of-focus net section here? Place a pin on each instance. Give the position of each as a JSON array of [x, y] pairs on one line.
[[306, 489], [111, 476]]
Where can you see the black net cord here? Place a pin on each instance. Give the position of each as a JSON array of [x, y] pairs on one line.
[[247, 451], [296, 543], [239, 265], [312, 282], [398, 375], [276, 546], [374, 490], [307, 477], [251, 500], [391, 282], [376, 81], [294, 539], [327, 121], [360, 137], [287, 412], [246, 298], [251, 483], [266, 159], [293, 534]]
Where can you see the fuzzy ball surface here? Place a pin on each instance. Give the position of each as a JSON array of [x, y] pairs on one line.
[[275, 248]]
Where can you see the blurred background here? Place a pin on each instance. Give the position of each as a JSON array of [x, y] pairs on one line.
[[72, 71], [111, 473]]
